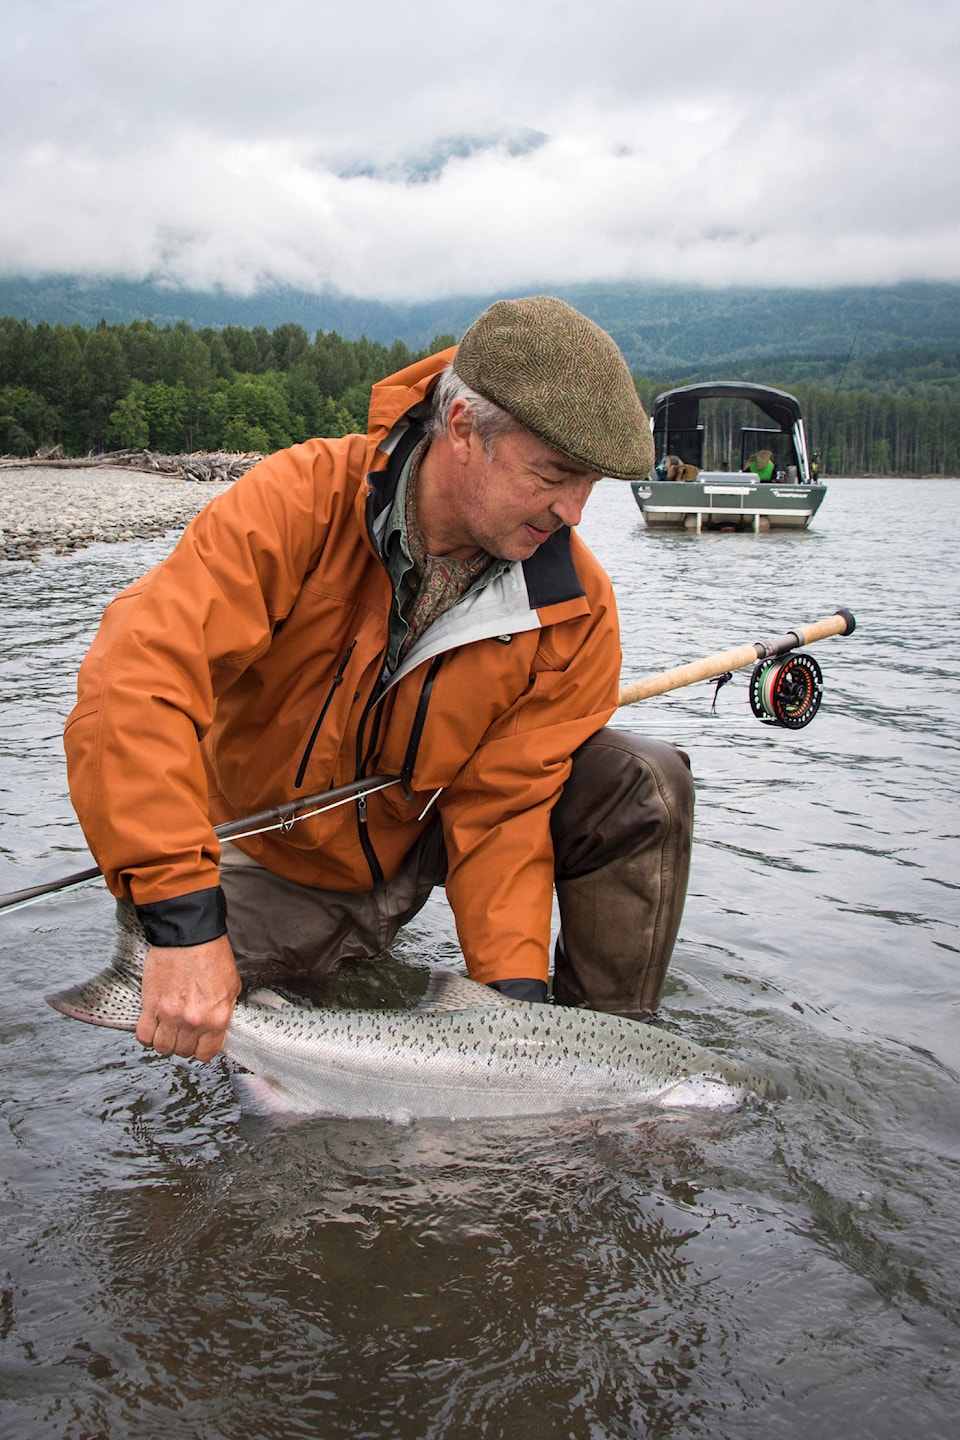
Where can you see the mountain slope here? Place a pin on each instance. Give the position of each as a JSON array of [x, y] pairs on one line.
[[659, 328]]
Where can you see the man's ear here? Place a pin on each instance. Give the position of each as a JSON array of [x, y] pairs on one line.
[[460, 427]]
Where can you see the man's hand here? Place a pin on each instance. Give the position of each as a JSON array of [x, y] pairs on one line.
[[188, 997]]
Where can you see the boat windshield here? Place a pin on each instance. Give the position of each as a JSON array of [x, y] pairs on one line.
[[726, 433], [780, 447]]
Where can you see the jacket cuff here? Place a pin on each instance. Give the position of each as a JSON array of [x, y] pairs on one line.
[[535, 990], [192, 919]]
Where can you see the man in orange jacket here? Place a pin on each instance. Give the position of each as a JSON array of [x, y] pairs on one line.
[[412, 602]]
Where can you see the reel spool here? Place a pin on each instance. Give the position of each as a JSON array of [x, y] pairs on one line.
[[786, 690]]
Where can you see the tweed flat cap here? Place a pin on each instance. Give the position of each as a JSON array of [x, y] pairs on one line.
[[562, 377]]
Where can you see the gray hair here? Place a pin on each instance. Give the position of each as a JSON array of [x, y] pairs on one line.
[[489, 420]]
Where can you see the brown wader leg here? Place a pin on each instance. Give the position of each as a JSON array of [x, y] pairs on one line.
[[280, 930], [622, 831]]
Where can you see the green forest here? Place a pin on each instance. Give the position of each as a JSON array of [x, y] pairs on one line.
[[176, 389]]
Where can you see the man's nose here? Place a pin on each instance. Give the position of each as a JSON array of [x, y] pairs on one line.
[[568, 504]]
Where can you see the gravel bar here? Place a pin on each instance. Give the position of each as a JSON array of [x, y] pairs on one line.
[[47, 509]]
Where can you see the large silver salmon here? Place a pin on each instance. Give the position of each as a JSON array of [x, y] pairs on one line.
[[465, 1052]]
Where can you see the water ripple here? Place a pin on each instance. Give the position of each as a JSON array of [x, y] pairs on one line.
[[787, 1271]]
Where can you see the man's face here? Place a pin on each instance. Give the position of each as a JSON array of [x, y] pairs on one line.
[[514, 498]]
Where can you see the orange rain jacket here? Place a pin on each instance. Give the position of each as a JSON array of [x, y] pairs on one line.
[[246, 671]]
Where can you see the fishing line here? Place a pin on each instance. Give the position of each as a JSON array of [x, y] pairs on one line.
[[783, 691], [287, 822], [282, 818]]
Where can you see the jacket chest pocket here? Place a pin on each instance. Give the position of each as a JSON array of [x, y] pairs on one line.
[[335, 684]]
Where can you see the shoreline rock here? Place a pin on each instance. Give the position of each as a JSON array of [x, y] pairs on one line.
[[53, 506]]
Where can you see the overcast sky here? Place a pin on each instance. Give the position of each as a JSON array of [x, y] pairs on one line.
[[421, 150]]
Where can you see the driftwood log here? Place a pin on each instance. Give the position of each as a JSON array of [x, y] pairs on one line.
[[201, 466]]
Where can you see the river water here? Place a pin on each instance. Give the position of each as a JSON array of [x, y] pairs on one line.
[[168, 1268]]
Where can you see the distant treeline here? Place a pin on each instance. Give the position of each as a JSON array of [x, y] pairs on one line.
[[917, 374], [855, 432], [176, 389]]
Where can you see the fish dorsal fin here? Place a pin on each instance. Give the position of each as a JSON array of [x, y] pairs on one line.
[[447, 991]]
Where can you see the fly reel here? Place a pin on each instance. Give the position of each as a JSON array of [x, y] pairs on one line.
[[786, 691]]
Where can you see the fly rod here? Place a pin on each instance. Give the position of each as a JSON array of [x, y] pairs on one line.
[[281, 817], [711, 667], [782, 692]]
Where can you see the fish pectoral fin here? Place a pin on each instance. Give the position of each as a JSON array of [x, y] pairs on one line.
[[262, 1098], [275, 997], [700, 1092], [447, 991]]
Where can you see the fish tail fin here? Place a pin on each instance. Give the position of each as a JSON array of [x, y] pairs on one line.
[[111, 998], [107, 999]]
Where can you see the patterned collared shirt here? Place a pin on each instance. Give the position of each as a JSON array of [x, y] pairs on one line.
[[424, 586]]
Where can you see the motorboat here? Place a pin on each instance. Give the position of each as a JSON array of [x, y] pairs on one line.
[[748, 469]]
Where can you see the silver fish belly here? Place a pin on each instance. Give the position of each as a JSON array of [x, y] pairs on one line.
[[465, 1052]]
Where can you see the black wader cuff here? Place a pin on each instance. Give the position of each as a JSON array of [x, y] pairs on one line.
[[535, 990], [192, 919]]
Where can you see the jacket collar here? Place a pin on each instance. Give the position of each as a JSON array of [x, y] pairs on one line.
[[550, 574]]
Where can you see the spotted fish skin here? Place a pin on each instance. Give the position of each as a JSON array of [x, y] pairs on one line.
[[464, 1053]]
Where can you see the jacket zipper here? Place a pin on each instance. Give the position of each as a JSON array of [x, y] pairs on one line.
[[365, 842], [419, 720], [334, 686], [366, 845], [406, 774]]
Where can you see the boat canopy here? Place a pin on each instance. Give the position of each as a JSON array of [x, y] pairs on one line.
[[683, 404]]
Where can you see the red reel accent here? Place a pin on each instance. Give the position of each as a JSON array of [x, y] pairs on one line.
[[786, 691]]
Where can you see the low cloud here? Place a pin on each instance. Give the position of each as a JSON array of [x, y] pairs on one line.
[[213, 145]]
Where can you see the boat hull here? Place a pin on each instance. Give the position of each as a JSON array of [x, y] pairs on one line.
[[727, 502]]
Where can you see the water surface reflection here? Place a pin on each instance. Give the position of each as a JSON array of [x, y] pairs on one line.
[[787, 1271]]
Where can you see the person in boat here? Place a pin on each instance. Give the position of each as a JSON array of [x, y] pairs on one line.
[[671, 467], [413, 602], [761, 464]]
